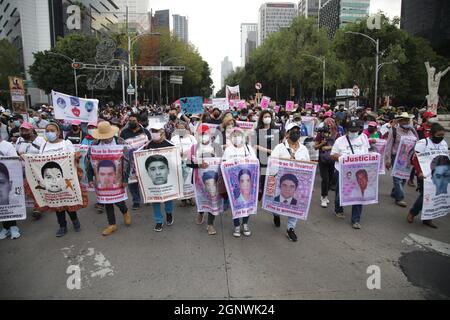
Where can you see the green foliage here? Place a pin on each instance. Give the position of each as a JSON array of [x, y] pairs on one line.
[[9, 66]]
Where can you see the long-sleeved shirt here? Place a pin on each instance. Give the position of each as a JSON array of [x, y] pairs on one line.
[[393, 143]]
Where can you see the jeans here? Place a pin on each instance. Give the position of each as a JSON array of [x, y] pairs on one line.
[[417, 206], [398, 191], [356, 209], [237, 223], [326, 174], [157, 215], [291, 223], [8, 224], [134, 190], [110, 211], [211, 218], [61, 217]]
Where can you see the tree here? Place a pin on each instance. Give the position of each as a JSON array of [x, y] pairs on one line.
[[10, 65]]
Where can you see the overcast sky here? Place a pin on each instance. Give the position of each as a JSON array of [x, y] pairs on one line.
[[214, 25]]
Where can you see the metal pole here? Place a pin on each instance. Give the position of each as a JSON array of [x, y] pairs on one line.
[[123, 85], [318, 15], [129, 48], [376, 76], [160, 90], [135, 83], [76, 84], [323, 84]]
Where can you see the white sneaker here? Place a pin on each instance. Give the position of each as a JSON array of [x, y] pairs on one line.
[[237, 232], [326, 198], [247, 231], [4, 234], [323, 202], [14, 233]]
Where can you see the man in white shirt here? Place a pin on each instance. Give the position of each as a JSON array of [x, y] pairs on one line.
[[354, 142]]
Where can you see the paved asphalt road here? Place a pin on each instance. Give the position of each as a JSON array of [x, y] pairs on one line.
[[329, 261]]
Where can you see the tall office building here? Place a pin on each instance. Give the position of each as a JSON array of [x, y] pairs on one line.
[[226, 69], [274, 16], [137, 12], [180, 27], [428, 19], [161, 20], [249, 33], [336, 13], [309, 8]]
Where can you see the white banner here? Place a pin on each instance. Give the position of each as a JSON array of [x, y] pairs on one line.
[[232, 93], [12, 195], [402, 164], [221, 103], [74, 108]]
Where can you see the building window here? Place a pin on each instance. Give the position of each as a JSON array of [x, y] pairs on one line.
[[6, 8]]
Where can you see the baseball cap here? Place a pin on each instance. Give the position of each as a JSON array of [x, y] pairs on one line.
[[373, 124], [353, 124], [76, 122], [26, 125], [428, 115], [156, 126], [291, 126]]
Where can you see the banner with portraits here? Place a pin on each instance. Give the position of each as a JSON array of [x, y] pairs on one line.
[[159, 174], [133, 144], [358, 179], [12, 194], [402, 164], [53, 179], [310, 124], [435, 166], [83, 150], [241, 177], [288, 187], [232, 93], [71, 108], [191, 105], [206, 186], [188, 186], [221, 103], [380, 147], [107, 162]]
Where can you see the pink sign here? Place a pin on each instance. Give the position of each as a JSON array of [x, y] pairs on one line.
[[317, 107], [276, 109], [289, 105], [309, 106], [231, 103], [241, 104], [265, 102]]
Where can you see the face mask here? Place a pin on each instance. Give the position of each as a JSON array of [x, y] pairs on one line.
[[51, 136], [26, 136], [172, 117], [437, 140], [156, 136], [406, 126], [16, 123], [237, 141], [267, 120], [294, 136], [353, 135], [205, 139], [243, 118], [36, 119], [90, 131]]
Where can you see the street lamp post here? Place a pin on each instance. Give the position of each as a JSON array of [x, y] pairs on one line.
[[160, 78], [323, 60], [72, 61], [377, 46]]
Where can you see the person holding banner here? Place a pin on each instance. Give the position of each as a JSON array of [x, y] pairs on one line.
[[55, 144], [158, 140], [105, 135], [75, 135], [434, 142], [9, 227], [291, 148], [404, 129], [354, 142], [238, 148]]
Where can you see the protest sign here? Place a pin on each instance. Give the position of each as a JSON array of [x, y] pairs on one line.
[[289, 105], [232, 93], [220, 103], [241, 104], [317, 108], [159, 174], [309, 143], [308, 106], [241, 177], [73, 108], [206, 182], [276, 109], [402, 163], [358, 179], [133, 144], [192, 105], [12, 195], [309, 123], [53, 179], [435, 166], [265, 102], [107, 162], [83, 150], [288, 187], [188, 187], [380, 147]]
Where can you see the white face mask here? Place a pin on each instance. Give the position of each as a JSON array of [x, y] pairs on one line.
[[237, 141], [267, 120], [156, 136], [90, 131], [353, 135]]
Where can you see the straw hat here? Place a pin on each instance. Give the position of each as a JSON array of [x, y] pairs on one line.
[[105, 131], [404, 115]]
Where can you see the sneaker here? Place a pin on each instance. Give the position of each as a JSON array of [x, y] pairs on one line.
[[401, 204], [339, 215], [276, 221], [61, 232], [327, 200], [15, 234], [169, 219], [200, 219], [127, 218], [323, 202], [211, 230], [77, 225], [428, 223], [237, 232], [109, 230], [4, 233], [411, 183], [291, 235], [356, 225], [36, 215], [158, 227], [246, 229], [136, 206]]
